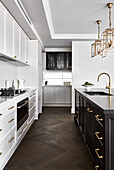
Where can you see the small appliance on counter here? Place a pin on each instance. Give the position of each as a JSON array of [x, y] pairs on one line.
[[11, 91]]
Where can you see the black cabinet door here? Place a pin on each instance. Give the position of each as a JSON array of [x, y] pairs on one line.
[[51, 61], [90, 129], [58, 60]]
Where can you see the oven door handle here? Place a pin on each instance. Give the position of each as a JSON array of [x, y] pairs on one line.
[[19, 107]]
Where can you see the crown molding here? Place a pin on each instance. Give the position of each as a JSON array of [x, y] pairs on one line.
[[48, 14]]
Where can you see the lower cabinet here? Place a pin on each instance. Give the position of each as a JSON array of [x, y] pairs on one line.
[[57, 95], [97, 128]]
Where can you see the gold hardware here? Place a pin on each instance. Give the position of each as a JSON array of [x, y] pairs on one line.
[[25, 125], [20, 133], [11, 140], [34, 100], [31, 115], [77, 112], [109, 86], [96, 150], [89, 110], [97, 133], [31, 103], [96, 46], [96, 167], [0, 153], [11, 108], [31, 95], [0, 114], [97, 117], [15, 57], [11, 120], [0, 130]]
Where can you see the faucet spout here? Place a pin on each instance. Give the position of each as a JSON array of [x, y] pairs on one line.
[[109, 86]]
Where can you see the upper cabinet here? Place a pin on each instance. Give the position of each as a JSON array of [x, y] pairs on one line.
[[14, 43], [22, 46], [58, 60], [2, 15], [9, 34], [16, 40]]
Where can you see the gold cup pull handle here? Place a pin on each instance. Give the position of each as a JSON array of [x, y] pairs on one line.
[[11, 120], [11, 140], [99, 119], [0, 153], [96, 150], [11, 108], [97, 135], [88, 109]]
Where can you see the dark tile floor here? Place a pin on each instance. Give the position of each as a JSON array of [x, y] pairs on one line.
[[52, 143]]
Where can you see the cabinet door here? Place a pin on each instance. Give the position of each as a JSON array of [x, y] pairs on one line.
[[90, 129], [9, 35], [22, 46], [2, 29], [59, 94], [50, 61], [60, 61], [81, 113], [16, 40], [67, 94], [27, 57], [49, 94], [68, 61]]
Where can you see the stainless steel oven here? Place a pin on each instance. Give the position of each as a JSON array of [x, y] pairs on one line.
[[22, 112]]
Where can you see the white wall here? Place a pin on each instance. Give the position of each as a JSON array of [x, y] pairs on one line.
[[7, 72], [85, 68]]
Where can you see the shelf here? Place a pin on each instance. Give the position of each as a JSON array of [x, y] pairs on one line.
[[11, 60]]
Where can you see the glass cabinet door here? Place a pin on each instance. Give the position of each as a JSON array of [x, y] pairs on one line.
[[68, 61], [51, 61], [60, 61]]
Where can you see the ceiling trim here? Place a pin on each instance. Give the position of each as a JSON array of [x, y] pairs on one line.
[[48, 14], [27, 18]]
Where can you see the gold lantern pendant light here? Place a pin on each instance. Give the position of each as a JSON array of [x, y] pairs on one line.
[[97, 45], [108, 34]]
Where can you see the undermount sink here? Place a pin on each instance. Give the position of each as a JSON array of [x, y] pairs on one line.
[[101, 93]]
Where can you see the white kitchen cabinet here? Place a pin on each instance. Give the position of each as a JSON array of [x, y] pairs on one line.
[[16, 41], [57, 96], [2, 28], [8, 34], [49, 94], [22, 46], [27, 59]]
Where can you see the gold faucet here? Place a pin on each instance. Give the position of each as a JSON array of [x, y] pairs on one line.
[[109, 86]]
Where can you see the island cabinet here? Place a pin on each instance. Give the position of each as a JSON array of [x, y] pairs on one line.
[[97, 128]]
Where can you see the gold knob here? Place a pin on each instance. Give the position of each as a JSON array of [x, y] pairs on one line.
[[11, 108], [0, 153], [97, 133], [11, 140], [15, 57], [97, 117], [11, 120], [88, 109], [0, 130], [0, 114], [96, 150]]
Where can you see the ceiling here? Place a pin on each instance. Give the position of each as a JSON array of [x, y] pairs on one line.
[[58, 22]]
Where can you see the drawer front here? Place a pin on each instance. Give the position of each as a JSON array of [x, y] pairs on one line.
[[22, 128], [32, 113], [98, 164], [6, 110], [7, 144], [7, 125], [32, 93], [99, 150], [100, 118], [99, 133], [32, 102]]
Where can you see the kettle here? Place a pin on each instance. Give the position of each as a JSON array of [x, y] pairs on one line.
[[21, 84], [15, 84]]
